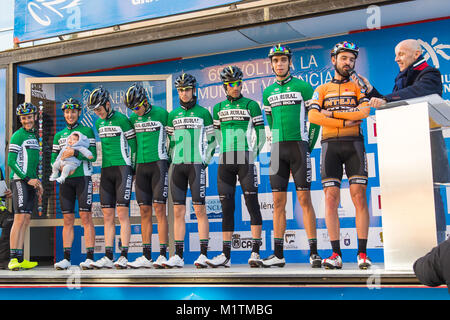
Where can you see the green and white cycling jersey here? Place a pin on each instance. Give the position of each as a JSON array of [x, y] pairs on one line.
[[284, 105], [235, 121], [151, 134], [118, 140], [192, 135], [60, 140], [23, 155]]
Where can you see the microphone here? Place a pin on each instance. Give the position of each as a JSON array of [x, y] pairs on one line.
[[361, 83]]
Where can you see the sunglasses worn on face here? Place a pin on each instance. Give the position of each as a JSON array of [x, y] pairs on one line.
[[71, 106], [234, 83], [136, 107]]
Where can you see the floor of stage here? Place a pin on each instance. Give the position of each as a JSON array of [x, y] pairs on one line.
[[237, 274], [240, 283]]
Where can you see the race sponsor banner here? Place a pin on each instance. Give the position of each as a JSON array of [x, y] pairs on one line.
[[38, 19]]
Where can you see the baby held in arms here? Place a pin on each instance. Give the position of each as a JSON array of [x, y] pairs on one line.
[[76, 141]]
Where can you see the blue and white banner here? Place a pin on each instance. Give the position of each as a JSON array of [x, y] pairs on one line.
[[38, 19]]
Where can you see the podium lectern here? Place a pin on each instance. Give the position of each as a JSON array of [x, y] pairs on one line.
[[413, 164]]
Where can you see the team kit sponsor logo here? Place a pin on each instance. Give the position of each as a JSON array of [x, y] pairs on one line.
[[288, 98]]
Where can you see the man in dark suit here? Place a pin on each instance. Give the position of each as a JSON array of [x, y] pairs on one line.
[[415, 79], [433, 269]]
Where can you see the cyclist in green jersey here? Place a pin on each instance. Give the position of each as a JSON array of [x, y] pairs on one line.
[[78, 185], [236, 119], [118, 141], [284, 104], [23, 160], [151, 185], [192, 146]]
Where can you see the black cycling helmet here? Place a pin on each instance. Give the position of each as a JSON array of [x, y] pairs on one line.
[[231, 74], [135, 95], [98, 97], [25, 108], [345, 46], [71, 103], [280, 50], [185, 80]]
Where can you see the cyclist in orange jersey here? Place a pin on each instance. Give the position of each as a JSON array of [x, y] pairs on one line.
[[339, 107]]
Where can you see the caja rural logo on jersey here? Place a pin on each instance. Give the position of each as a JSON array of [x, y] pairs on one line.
[[283, 99], [149, 126], [188, 123], [110, 131], [234, 115]]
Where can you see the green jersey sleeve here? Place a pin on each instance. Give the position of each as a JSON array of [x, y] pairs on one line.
[[314, 129], [267, 109], [210, 136], [258, 123]]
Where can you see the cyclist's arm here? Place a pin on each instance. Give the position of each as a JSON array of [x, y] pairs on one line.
[[130, 135], [216, 122], [92, 147], [170, 135], [258, 123], [268, 111], [210, 136], [316, 117], [55, 149], [358, 113], [313, 135], [14, 149]]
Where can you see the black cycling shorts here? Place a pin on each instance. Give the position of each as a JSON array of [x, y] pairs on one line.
[[288, 157], [76, 188], [151, 182], [181, 175], [335, 154], [115, 186], [227, 173], [24, 196]]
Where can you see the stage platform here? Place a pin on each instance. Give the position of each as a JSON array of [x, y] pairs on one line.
[[236, 275]]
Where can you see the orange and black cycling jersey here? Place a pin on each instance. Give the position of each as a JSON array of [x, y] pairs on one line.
[[346, 101]]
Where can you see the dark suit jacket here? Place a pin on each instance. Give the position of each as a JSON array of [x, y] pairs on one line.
[[421, 80], [433, 269]]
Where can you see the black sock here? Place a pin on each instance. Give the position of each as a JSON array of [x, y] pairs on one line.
[[278, 252], [226, 245], [124, 252], [204, 246], [109, 253], [163, 249], [67, 253], [90, 253], [312, 246], [179, 248], [256, 243], [362, 245], [19, 255], [336, 246], [147, 250]]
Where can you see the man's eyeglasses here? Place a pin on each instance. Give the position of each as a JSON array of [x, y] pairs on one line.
[[234, 83]]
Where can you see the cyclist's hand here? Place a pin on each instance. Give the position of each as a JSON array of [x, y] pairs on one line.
[[7, 194], [327, 113], [69, 152], [352, 123]]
